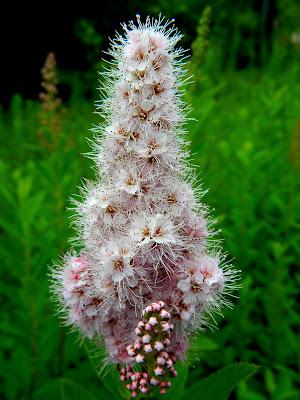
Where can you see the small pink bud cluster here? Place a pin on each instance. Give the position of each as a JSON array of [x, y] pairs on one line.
[[150, 350]]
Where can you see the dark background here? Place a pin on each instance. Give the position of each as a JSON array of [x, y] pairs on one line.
[[30, 30]]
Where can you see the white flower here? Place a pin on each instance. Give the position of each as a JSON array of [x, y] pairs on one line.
[[187, 312], [116, 261], [202, 282], [175, 197], [156, 228], [152, 146], [129, 182]]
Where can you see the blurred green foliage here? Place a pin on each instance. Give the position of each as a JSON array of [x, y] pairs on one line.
[[239, 27], [245, 140]]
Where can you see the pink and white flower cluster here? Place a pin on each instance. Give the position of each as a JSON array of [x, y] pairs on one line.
[[154, 335], [144, 233]]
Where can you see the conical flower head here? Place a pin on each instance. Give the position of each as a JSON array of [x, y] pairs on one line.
[[145, 234]]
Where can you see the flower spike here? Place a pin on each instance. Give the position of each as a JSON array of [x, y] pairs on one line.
[[149, 272]]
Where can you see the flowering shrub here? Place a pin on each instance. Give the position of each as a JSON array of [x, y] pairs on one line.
[[147, 238]]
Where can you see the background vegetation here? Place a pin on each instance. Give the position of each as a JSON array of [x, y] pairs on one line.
[[246, 141]]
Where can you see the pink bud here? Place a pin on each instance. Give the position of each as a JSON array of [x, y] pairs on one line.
[[166, 341], [141, 325], [147, 348], [138, 331], [158, 371], [144, 389], [158, 346], [153, 321], [146, 338], [163, 391], [169, 363], [137, 344], [165, 326], [164, 354], [156, 307], [160, 361], [165, 314], [148, 327], [153, 382], [148, 309], [139, 358], [130, 350], [134, 385]]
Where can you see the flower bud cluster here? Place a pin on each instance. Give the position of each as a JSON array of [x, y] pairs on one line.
[[150, 351]]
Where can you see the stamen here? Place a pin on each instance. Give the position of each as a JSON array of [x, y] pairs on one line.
[[111, 209]]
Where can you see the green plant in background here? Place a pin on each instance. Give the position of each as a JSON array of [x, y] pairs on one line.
[[241, 31], [295, 146], [33, 200], [90, 38], [51, 114], [200, 47]]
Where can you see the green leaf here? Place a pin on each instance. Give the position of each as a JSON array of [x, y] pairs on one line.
[[178, 383], [203, 343], [24, 186], [30, 208], [63, 389], [10, 227], [219, 385], [110, 376]]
